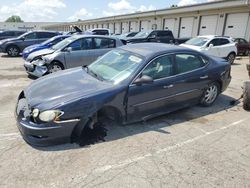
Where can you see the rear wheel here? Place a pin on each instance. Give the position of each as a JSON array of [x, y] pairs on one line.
[[247, 52], [13, 51], [246, 96], [231, 58], [210, 94], [55, 67]]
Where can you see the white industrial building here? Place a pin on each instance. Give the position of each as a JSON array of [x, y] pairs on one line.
[[27, 26], [229, 18]]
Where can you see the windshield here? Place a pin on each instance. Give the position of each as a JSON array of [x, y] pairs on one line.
[[199, 41], [23, 35], [142, 34], [116, 65], [63, 43]]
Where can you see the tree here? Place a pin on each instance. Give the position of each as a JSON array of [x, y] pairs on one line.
[[173, 6], [14, 18]]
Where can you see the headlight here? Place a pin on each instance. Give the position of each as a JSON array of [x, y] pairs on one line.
[[38, 62], [35, 113], [50, 115], [46, 59]]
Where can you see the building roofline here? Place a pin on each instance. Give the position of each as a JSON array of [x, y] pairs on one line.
[[195, 7]]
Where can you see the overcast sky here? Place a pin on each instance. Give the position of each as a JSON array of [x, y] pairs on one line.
[[72, 10]]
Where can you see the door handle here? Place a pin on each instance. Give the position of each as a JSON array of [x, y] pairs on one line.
[[204, 77], [169, 86]]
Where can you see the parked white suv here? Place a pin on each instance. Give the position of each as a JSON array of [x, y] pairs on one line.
[[214, 45]]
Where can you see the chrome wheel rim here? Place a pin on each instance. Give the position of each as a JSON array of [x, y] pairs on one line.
[[231, 58], [211, 94], [55, 68], [13, 51]]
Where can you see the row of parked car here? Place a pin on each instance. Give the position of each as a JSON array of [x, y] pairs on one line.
[[126, 80]]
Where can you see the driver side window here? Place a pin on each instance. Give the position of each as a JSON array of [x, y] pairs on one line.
[[30, 36], [161, 67]]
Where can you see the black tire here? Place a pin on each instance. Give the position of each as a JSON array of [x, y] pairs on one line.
[[247, 52], [55, 67], [13, 51], [246, 96], [231, 58], [210, 94]]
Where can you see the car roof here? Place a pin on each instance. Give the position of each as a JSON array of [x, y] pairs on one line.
[[214, 36], [151, 49], [99, 36]]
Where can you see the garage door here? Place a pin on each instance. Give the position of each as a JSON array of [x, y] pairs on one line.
[[118, 28], [134, 26], [208, 25], [145, 25], [111, 27], [125, 27], [170, 24], [236, 25], [186, 27], [105, 25]]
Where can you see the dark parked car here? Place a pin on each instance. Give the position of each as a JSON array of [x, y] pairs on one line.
[[132, 83], [162, 36], [75, 51], [15, 46], [243, 47], [127, 35], [10, 34], [44, 45]]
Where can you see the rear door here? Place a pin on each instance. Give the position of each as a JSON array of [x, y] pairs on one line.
[[225, 47], [102, 46], [214, 50], [191, 78], [80, 54]]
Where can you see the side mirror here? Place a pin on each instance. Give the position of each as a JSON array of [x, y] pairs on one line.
[[68, 49], [22, 38], [143, 80], [210, 46]]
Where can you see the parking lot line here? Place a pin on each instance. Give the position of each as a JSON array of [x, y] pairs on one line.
[[178, 145]]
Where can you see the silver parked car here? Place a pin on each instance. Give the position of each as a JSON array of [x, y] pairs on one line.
[[74, 51]]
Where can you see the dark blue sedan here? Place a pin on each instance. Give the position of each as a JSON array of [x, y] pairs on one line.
[[129, 84], [46, 44]]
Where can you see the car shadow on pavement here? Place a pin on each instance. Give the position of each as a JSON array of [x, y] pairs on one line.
[[6, 56], [192, 114]]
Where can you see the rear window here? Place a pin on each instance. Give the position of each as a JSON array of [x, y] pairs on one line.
[[224, 41], [100, 32], [164, 34]]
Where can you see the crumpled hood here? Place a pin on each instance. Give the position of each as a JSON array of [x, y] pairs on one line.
[[64, 86], [197, 48], [40, 53]]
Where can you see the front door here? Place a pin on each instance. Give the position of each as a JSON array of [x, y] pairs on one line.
[[151, 99], [81, 53]]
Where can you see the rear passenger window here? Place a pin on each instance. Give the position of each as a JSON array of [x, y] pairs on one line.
[[103, 43], [188, 62], [224, 41], [43, 35], [31, 36]]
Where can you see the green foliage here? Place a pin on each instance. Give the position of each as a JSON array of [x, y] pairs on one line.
[[14, 18]]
